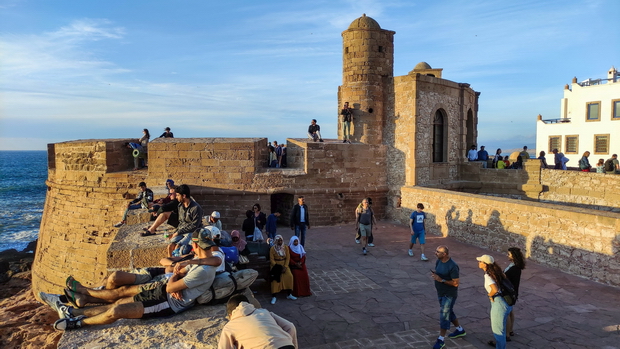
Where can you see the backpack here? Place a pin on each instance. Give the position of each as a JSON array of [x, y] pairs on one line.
[[508, 292], [609, 165]]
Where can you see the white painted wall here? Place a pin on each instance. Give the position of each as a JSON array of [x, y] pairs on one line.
[[573, 106]]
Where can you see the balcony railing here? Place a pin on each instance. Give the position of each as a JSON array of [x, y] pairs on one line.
[[556, 121]]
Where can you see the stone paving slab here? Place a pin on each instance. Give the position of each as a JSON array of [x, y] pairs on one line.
[[386, 299]]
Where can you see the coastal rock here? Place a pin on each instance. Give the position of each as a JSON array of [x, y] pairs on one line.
[[13, 262], [25, 323], [197, 328]]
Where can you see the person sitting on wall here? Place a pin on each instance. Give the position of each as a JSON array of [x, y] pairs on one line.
[[612, 165], [518, 165], [167, 133], [190, 220], [138, 153], [168, 212], [483, 156], [252, 328], [314, 131], [214, 220], [141, 201], [543, 160], [500, 162], [160, 298], [154, 206]]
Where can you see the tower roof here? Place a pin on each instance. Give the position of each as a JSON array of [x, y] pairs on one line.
[[422, 66], [364, 22]]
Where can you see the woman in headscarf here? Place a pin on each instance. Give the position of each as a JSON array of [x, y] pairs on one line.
[[281, 276], [239, 243], [301, 281]]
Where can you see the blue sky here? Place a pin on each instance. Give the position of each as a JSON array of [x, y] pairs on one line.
[[107, 69]]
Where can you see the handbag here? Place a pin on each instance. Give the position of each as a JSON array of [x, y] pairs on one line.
[[258, 235], [243, 259]]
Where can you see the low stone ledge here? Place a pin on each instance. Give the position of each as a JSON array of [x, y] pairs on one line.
[[130, 250]]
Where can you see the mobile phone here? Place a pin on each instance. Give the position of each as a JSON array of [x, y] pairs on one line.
[[432, 271]]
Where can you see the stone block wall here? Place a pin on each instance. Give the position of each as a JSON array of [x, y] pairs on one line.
[[580, 241], [598, 191], [82, 203]]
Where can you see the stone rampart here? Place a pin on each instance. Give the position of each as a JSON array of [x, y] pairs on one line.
[[580, 241], [598, 191], [89, 183]]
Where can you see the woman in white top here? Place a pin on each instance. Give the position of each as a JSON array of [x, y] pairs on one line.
[[493, 276]]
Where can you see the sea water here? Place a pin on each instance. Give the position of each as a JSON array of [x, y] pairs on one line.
[[22, 197]]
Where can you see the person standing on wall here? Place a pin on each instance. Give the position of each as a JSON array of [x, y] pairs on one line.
[[524, 154], [300, 220], [347, 118], [446, 276], [483, 156], [472, 154], [498, 154]]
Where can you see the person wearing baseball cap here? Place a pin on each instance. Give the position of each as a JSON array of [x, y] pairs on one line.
[[493, 276], [214, 220], [189, 280]]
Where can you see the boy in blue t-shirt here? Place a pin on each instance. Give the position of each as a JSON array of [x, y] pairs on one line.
[[417, 230]]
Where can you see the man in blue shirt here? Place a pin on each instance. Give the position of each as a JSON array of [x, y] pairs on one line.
[[483, 156], [446, 276]]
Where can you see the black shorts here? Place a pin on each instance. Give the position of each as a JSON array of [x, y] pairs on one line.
[[154, 299]]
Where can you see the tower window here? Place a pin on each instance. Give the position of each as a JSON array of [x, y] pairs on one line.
[[380, 48], [346, 50], [439, 138]]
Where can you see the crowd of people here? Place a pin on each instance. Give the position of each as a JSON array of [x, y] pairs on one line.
[[198, 251], [611, 165]]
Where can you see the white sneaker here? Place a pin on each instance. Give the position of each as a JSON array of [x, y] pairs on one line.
[[364, 251], [291, 297], [273, 300], [410, 253], [357, 241], [371, 245], [64, 312], [423, 258], [119, 224]]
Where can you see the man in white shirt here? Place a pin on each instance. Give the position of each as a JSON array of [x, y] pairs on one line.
[[472, 155]]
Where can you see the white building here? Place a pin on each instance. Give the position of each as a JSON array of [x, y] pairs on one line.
[[590, 121]]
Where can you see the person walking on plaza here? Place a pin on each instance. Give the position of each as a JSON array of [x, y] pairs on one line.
[[446, 276], [418, 230], [493, 277], [513, 273], [347, 118], [365, 218], [252, 328], [371, 238], [300, 219]]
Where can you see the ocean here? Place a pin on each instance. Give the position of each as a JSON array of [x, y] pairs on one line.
[[22, 196]]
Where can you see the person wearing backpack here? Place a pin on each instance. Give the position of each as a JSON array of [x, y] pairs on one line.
[[611, 165], [493, 278], [513, 273]]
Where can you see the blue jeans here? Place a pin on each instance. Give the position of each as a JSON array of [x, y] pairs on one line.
[[300, 232], [131, 207], [499, 313], [446, 314]]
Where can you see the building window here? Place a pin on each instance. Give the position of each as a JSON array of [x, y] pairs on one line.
[[439, 138], [615, 109], [572, 144], [555, 142], [601, 144], [593, 111]]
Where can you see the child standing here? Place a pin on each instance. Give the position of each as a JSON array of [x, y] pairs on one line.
[[418, 232], [271, 225]]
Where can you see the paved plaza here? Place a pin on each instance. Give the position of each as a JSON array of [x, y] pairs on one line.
[[386, 299]]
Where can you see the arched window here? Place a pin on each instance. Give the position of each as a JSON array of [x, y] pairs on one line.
[[439, 138]]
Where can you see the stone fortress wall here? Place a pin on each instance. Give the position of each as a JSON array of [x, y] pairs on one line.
[[411, 135]]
